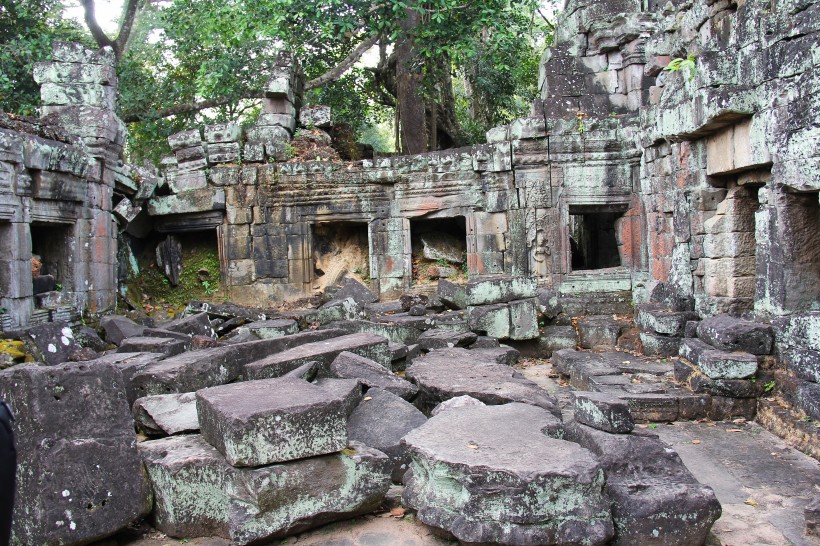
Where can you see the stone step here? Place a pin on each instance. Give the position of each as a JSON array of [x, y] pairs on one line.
[[653, 318], [717, 364], [728, 333]]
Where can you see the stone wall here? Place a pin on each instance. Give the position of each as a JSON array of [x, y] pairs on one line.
[[56, 189]]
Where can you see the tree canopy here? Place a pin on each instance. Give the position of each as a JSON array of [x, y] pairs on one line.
[[446, 70]]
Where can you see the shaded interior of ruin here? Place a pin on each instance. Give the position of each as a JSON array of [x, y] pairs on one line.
[[51, 254], [593, 238], [439, 248]]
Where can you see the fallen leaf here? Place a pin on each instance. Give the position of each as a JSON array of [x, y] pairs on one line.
[[366, 398], [751, 502], [695, 441], [471, 445], [643, 426], [739, 421], [734, 430], [711, 424], [397, 512]]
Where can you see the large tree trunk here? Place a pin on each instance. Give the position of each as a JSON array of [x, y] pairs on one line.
[[409, 101]]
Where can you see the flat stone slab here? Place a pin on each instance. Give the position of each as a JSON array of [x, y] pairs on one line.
[[117, 328], [197, 493], [493, 475], [441, 339], [660, 320], [604, 412], [718, 364], [269, 329], [194, 325], [655, 499], [167, 346], [167, 414], [196, 370], [371, 374], [728, 333], [364, 344], [491, 290], [256, 423], [380, 421], [51, 343], [447, 373]]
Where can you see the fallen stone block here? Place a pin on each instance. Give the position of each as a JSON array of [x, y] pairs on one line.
[[129, 364], [196, 370], [166, 414], [728, 333], [406, 332], [503, 354], [600, 331], [660, 320], [603, 412], [50, 343], [88, 337], [659, 345], [80, 478], [812, 517], [256, 423], [523, 319], [162, 345], [655, 499], [493, 475], [451, 294], [194, 325], [718, 364], [269, 329], [118, 328], [455, 403], [489, 290], [555, 338], [653, 407], [351, 288], [485, 342], [325, 352], [162, 332], [490, 320], [371, 374], [380, 421], [197, 493], [442, 339], [446, 373]]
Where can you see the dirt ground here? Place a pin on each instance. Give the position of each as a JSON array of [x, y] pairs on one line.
[[762, 484]]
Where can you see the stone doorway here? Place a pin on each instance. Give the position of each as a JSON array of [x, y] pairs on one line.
[[340, 249], [51, 261], [593, 238], [439, 249]]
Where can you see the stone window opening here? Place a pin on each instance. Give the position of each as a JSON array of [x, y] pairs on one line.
[[593, 239], [801, 262], [50, 257], [340, 248], [439, 249]]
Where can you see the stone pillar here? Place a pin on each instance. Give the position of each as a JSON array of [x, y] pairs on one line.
[[79, 89]]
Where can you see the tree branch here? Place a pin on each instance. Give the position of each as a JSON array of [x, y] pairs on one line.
[[100, 37], [190, 108], [127, 23], [337, 72]]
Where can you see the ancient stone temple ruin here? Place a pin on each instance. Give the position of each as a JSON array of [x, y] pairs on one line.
[[651, 231]]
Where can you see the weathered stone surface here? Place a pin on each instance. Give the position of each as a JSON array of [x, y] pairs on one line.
[[128, 364], [325, 352], [652, 318], [812, 515], [256, 423], [315, 116], [451, 294], [442, 246], [659, 345], [118, 328], [653, 407], [442, 339], [732, 334], [166, 414], [79, 478], [269, 329], [164, 345], [555, 338], [491, 320], [51, 343], [487, 291], [197, 493], [718, 364], [446, 373], [196, 370], [599, 331], [503, 354], [371, 374], [804, 362], [603, 412], [380, 421], [194, 325], [351, 288], [655, 499], [493, 475], [88, 337], [463, 401]]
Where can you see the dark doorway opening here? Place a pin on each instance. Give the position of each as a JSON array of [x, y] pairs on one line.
[[802, 256], [439, 248], [51, 259], [593, 239]]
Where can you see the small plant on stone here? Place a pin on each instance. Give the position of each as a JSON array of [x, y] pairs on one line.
[[581, 116], [769, 387], [678, 64], [290, 150]]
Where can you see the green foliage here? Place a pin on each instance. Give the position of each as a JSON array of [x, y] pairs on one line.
[[27, 29], [678, 64], [769, 386]]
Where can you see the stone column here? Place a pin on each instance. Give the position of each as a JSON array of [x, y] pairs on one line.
[[79, 89]]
